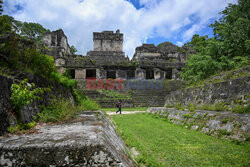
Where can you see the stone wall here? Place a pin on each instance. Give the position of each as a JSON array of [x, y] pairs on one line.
[[91, 140], [227, 91], [108, 41], [222, 124], [138, 95], [7, 112]]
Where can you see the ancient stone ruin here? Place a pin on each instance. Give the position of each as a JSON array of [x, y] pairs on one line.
[[108, 60]]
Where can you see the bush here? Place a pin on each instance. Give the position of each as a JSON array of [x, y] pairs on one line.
[[241, 108], [179, 106], [220, 106], [24, 93], [59, 110], [21, 127], [59, 78], [89, 105]]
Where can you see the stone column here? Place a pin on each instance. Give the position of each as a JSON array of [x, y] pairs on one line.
[[60, 63], [121, 74], [80, 73], [175, 74], [140, 73], [101, 73]]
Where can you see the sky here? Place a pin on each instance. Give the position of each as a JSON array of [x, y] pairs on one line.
[[141, 21]]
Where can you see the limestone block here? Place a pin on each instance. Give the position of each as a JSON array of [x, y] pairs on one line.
[[59, 62], [121, 74], [80, 73], [61, 69], [140, 74]]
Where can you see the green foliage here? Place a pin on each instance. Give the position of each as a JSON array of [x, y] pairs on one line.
[[179, 106], [59, 78], [21, 127], [59, 110], [26, 30], [39, 63], [229, 49], [168, 105], [161, 143], [233, 28], [222, 132], [73, 49], [199, 67], [24, 93], [114, 94], [220, 106], [191, 107], [5, 24], [89, 105], [79, 96], [241, 108]]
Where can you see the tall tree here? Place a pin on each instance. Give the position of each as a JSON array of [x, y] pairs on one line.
[[233, 29]]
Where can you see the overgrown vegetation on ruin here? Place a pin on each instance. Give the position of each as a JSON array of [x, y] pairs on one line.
[[21, 50], [228, 49], [161, 143]]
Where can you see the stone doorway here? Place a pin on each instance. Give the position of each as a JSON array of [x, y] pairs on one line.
[[168, 74], [111, 74], [149, 74], [90, 73]]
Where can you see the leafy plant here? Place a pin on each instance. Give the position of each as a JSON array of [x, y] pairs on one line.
[[89, 105], [25, 93], [58, 110], [21, 127], [241, 108]]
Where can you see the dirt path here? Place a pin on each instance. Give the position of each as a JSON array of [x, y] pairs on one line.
[[125, 112]]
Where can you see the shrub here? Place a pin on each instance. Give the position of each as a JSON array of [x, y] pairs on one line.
[[241, 108], [59, 78], [179, 106], [24, 93], [89, 105], [21, 127], [221, 106], [59, 110]]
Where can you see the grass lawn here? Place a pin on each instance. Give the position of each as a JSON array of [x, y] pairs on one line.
[[161, 143], [125, 109]]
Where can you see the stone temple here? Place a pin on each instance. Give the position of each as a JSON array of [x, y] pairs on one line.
[[108, 59]]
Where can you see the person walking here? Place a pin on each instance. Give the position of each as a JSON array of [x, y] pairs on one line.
[[119, 106]]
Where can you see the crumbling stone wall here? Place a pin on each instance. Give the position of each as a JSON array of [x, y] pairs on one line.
[[227, 91], [108, 41], [223, 124]]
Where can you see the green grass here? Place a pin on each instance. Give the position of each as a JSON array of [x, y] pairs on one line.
[[126, 109], [161, 143]]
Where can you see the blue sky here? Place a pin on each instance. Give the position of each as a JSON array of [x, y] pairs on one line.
[[141, 21]]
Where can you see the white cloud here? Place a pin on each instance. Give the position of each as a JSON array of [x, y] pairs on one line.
[[158, 18]]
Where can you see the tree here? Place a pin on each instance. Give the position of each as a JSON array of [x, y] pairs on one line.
[[233, 29], [73, 49]]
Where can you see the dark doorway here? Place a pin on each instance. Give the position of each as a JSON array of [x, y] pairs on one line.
[[149, 74], [72, 73], [168, 74], [130, 74], [111, 74], [90, 73]]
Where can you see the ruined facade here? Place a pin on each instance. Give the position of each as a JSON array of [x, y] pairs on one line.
[[107, 59]]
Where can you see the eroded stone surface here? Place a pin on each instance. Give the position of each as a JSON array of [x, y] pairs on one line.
[[228, 124], [92, 141]]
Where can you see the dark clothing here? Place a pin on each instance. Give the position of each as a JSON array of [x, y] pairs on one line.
[[119, 106]]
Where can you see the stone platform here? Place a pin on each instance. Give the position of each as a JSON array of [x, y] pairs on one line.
[[90, 140]]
